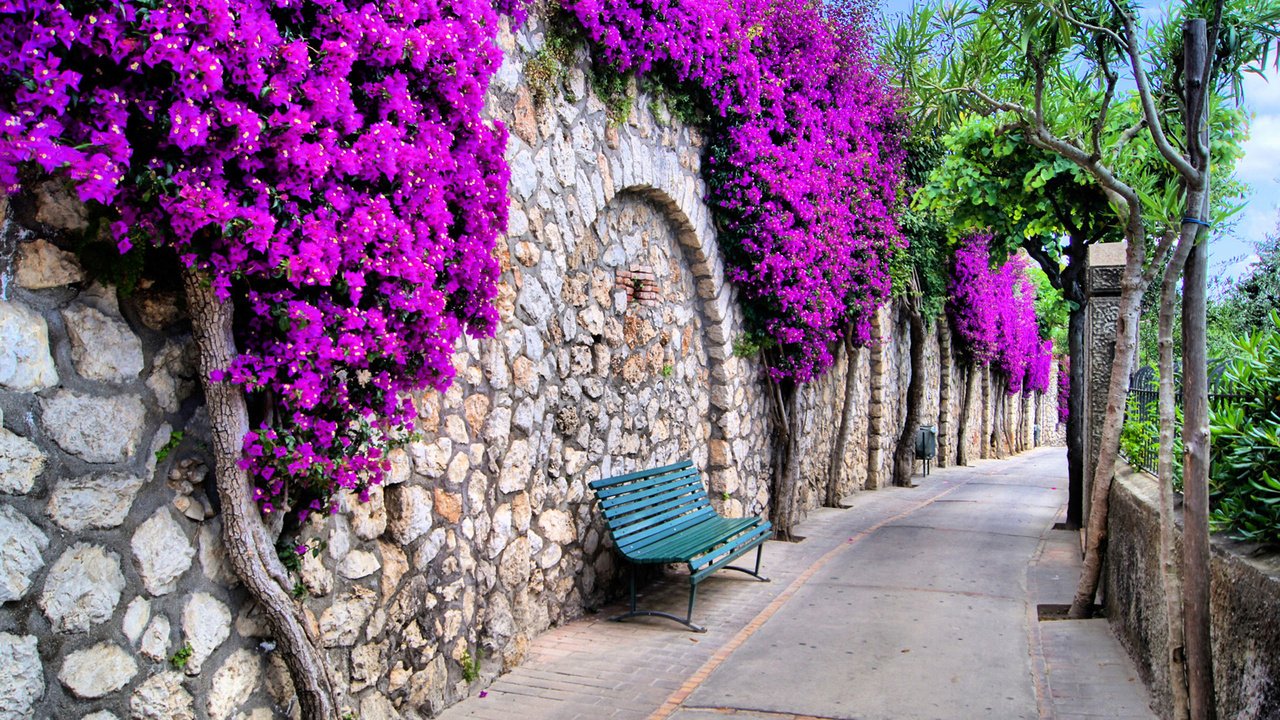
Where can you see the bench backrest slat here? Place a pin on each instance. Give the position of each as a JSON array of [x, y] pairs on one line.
[[617, 511], [640, 475], [644, 507], [611, 492], [660, 512]]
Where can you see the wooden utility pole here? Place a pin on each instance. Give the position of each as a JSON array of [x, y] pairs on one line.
[[1195, 386]]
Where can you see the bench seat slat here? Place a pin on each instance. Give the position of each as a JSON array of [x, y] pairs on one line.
[[759, 536], [707, 537], [670, 521]]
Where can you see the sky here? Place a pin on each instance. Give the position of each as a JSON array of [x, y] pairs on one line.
[[1233, 251]]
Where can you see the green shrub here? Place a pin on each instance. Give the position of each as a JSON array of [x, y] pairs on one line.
[[1245, 429]]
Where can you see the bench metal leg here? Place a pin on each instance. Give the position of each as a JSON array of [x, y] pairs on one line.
[[753, 573], [687, 621]]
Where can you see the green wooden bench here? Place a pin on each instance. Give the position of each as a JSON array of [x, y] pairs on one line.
[[663, 516]]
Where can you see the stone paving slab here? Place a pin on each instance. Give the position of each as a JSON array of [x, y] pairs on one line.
[[887, 568]]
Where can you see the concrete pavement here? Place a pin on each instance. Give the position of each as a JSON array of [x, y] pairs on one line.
[[914, 603]]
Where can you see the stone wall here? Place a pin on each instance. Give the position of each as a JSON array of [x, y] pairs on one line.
[[1244, 603], [614, 352]]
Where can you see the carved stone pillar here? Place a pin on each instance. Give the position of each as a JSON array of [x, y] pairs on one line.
[[1105, 268]]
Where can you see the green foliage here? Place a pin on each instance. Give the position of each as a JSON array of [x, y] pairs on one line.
[[470, 665], [1140, 437], [992, 179], [681, 101], [921, 271], [1244, 306], [103, 261], [615, 91], [748, 345], [1052, 310], [183, 655], [174, 440], [1245, 431], [668, 370], [546, 70]]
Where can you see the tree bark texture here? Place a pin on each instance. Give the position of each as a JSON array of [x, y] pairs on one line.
[[1195, 384], [835, 467], [986, 408], [944, 393], [1170, 567], [1075, 419], [249, 547], [966, 413], [786, 467], [1132, 287], [904, 457]]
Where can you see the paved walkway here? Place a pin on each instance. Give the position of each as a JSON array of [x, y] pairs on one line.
[[914, 603]]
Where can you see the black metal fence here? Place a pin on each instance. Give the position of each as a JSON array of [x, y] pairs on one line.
[[1143, 446]]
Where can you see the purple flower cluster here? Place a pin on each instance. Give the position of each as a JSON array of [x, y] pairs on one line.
[[992, 311], [325, 162], [803, 167]]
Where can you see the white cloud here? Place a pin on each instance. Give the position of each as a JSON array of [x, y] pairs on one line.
[[1261, 162]]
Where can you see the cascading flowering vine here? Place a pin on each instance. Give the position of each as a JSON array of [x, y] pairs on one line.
[[324, 163], [804, 158], [992, 311]]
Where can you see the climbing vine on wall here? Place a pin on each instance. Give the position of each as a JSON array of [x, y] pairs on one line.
[[324, 163], [803, 165], [992, 310]]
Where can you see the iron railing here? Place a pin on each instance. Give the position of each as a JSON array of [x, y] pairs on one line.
[[1144, 401]]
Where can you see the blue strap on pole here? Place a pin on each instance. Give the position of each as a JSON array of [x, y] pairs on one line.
[[1195, 221]]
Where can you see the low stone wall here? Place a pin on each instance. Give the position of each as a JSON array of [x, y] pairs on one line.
[[614, 352], [1244, 605]]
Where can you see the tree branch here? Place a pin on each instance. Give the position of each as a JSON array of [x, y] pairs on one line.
[[1170, 154]]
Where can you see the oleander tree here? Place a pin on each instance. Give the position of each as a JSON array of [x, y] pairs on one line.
[[1040, 202]]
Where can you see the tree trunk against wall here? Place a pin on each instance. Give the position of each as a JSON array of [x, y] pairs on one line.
[[904, 459], [1075, 419], [835, 466], [1195, 380], [944, 392], [250, 549], [1136, 277], [963, 452], [1169, 562], [986, 446], [786, 469]]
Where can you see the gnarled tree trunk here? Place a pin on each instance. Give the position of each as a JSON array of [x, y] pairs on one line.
[[1170, 568], [835, 465], [249, 547], [904, 457], [966, 411], [944, 393], [1075, 419]]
